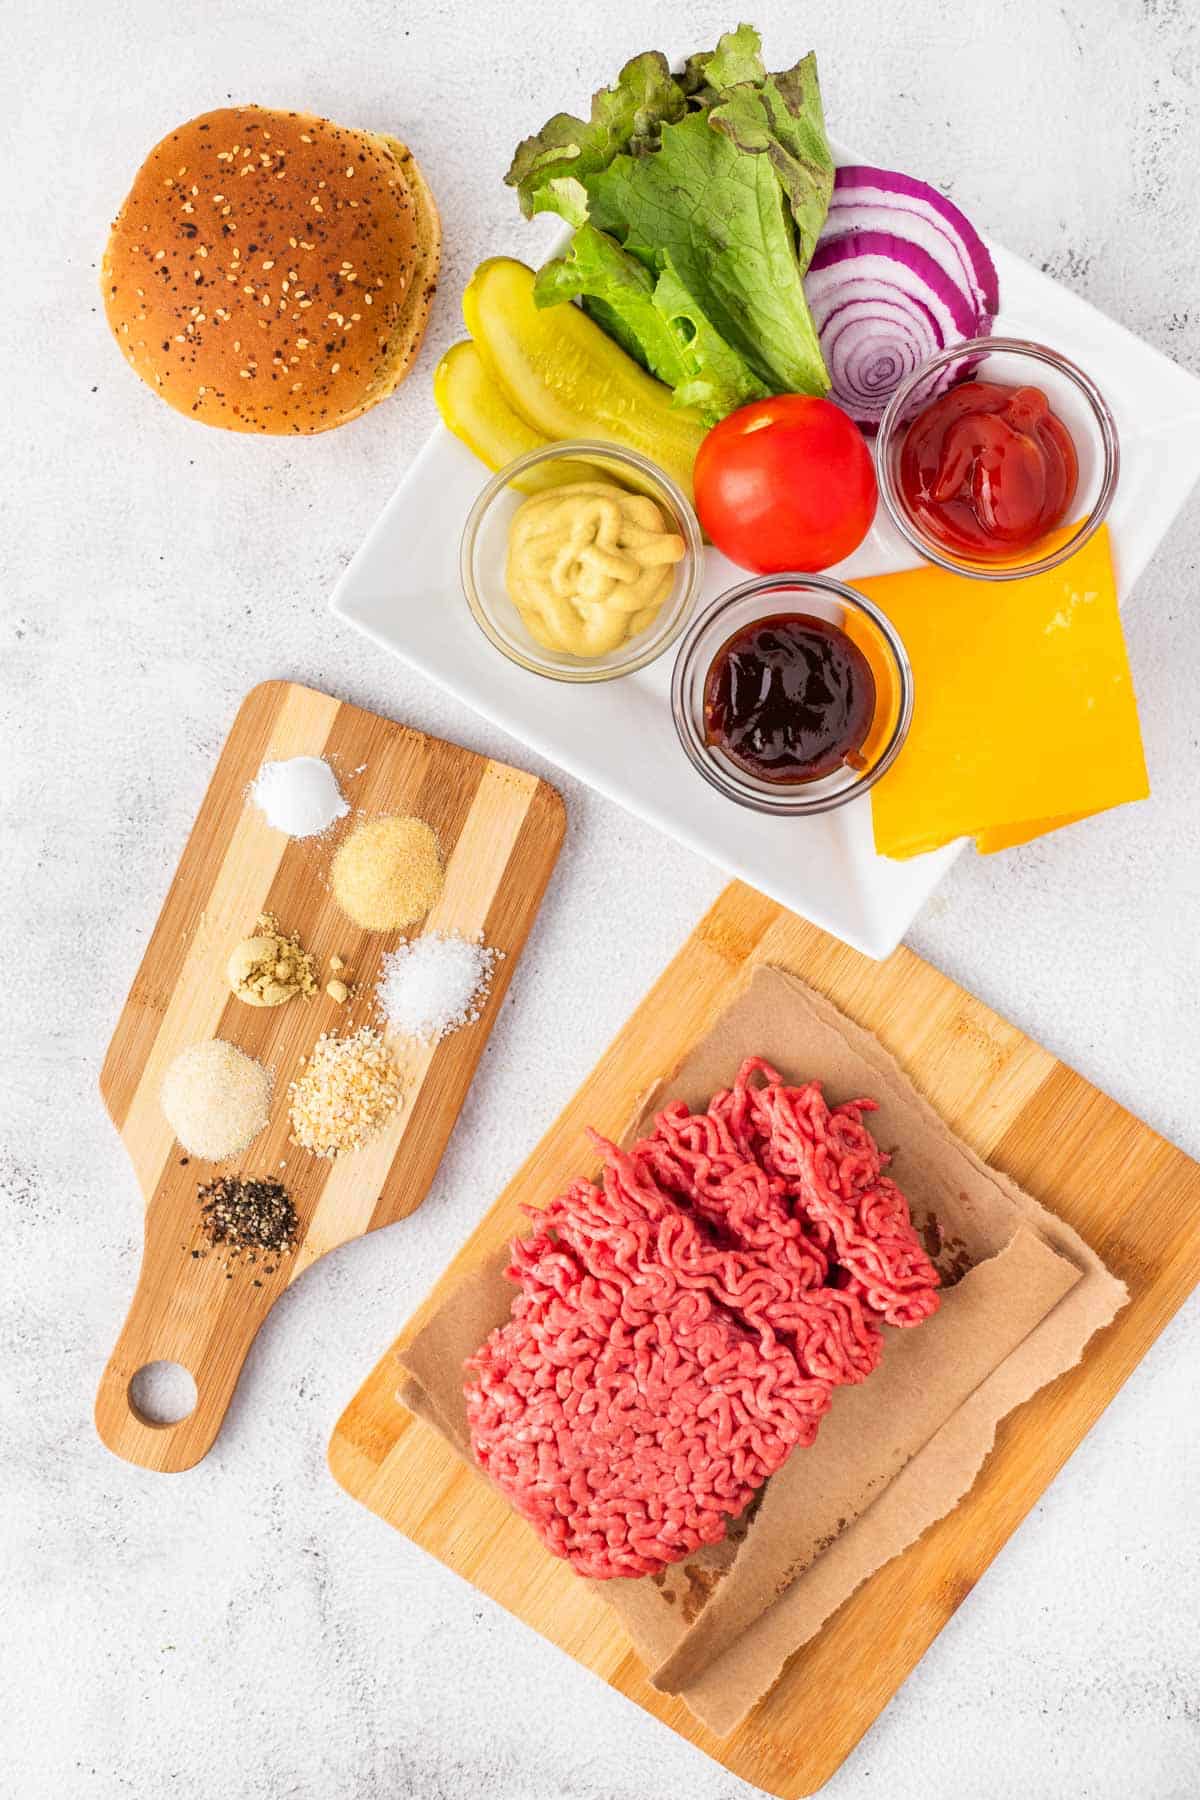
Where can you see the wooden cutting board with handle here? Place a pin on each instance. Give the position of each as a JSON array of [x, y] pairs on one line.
[[499, 830], [1133, 1196]]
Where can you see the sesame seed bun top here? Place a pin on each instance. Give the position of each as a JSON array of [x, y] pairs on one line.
[[271, 271]]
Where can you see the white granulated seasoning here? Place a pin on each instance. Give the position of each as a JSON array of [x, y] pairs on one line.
[[216, 1099], [347, 1090], [434, 985], [300, 796]]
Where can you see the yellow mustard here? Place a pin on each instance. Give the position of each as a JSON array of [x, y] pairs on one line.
[[589, 565]]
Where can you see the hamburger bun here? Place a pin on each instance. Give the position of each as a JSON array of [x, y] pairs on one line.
[[271, 271]]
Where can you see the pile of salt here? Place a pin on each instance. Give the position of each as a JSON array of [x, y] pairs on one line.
[[434, 985], [300, 796]]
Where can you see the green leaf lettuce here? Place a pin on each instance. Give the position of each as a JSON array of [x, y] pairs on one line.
[[698, 200]]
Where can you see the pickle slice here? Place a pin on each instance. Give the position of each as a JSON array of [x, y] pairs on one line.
[[567, 379], [475, 410]]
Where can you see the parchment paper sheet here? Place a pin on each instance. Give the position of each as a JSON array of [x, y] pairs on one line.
[[893, 1455]]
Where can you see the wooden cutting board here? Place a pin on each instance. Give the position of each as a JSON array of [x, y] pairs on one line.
[[499, 830], [1133, 1196]]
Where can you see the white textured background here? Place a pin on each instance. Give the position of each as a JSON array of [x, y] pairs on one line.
[[245, 1630]]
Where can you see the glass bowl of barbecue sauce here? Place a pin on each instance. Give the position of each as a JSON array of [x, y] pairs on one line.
[[792, 694]]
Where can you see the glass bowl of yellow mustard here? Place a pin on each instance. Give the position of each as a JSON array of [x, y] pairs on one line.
[[581, 561]]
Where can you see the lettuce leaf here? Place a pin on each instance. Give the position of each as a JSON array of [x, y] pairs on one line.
[[655, 318], [698, 200], [722, 218], [718, 378], [783, 119], [548, 169]]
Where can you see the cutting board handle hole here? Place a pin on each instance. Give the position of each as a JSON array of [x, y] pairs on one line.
[[162, 1393]]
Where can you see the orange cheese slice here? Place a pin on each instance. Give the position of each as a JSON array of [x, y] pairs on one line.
[[1007, 837], [1024, 715]]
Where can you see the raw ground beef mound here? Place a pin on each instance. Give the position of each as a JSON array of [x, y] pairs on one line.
[[679, 1328]]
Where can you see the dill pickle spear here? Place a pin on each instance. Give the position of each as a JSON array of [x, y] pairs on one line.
[[567, 378], [474, 409]]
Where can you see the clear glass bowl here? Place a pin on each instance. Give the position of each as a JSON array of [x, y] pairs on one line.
[[1072, 394], [485, 550], [763, 598]]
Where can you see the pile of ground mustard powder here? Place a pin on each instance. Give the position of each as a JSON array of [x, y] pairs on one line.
[[270, 967]]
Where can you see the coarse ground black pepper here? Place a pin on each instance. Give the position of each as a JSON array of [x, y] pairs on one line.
[[249, 1216]]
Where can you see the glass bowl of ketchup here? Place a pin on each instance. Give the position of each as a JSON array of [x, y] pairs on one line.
[[791, 694], [997, 458]]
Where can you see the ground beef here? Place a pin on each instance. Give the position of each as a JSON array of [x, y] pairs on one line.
[[680, 1327], [829, 1168]]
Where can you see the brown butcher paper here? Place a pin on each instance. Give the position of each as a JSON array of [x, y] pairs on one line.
[[1023, 1295]]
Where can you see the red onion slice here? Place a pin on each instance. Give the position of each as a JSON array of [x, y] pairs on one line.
[[869, 199], [882, 307]]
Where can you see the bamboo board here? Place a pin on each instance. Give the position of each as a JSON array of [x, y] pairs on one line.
[[499, 830], [1133, 1196]]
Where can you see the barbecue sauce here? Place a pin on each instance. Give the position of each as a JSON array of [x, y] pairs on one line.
[[789, 698]]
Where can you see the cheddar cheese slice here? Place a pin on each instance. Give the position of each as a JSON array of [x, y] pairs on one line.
[[1024, 714]]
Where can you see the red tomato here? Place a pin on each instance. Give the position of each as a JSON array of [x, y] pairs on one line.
[[786, 483]]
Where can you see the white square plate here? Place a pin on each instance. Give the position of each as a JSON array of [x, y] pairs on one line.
[[402, 589]]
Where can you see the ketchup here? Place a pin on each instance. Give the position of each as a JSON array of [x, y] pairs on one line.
[[790, 698], [987, 470]]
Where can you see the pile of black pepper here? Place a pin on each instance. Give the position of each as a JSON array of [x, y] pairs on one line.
[[254, 1218]]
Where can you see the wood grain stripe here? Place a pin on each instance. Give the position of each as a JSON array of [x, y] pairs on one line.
[[475, 871], [200, 999]]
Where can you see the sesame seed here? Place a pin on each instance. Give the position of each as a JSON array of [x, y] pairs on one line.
[[268, 265], [334, 367]]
